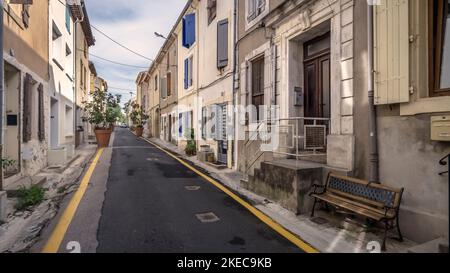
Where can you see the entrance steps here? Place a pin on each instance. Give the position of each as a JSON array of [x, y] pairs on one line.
[[288, 182]]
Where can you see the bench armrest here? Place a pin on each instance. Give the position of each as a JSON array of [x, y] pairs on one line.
[[317, 189], [387, 209]]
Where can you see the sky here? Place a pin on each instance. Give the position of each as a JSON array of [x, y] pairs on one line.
[[131, 23]]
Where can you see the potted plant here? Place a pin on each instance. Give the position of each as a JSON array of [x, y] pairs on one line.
[[191, 147], [102, 114], [139, 118]]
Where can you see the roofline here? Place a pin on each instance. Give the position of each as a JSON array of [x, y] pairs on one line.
[[80, 12], [169, 37]]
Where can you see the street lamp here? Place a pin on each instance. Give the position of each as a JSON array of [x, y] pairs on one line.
[[160, 35]]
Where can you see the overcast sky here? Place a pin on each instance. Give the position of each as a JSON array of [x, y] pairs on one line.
[[132, 23]]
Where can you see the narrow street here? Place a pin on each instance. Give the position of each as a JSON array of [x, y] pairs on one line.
[[160, 200]]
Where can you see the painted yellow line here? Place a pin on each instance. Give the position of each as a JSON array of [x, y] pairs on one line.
[[60, 230], [260, 215]]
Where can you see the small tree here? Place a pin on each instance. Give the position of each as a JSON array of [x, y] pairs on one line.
[[101, 111], [138, 115]]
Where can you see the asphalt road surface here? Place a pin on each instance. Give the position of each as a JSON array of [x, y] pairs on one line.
[[141, 200]]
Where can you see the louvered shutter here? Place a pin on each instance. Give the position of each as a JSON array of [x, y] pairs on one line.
[[391, 41], [41, 124], [189, 30], [186, 73], [27, 104], [222, 43]]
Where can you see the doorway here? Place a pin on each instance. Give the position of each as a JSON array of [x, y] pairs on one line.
[[12, 128], [317, 77], [222, 154], [54, 123], [170, 129]]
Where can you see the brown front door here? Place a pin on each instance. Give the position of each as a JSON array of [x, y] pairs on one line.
[[317, 78]]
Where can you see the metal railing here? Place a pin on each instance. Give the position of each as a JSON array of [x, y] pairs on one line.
[[297, 137]]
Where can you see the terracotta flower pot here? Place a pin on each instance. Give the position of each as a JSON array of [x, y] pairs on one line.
[[103, 136], [139, 131]]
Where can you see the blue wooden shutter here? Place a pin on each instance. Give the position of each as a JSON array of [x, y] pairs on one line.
[[180, 125], [186, 73], [189, 30], [222, 43]]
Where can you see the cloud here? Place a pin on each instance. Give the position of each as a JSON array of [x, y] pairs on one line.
[[132, 23]]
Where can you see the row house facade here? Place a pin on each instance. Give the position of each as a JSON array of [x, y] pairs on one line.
[[39, 49], [342, 93]]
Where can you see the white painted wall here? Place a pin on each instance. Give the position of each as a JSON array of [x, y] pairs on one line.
[[62, 78]]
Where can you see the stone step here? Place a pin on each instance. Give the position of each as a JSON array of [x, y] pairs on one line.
[[13, 188], [439, 245]]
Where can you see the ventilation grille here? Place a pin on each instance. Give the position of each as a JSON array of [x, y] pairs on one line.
[[315, 137]]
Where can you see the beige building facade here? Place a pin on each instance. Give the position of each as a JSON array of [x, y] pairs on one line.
[[26, 100]]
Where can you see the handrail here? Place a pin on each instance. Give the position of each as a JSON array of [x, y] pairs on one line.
[[444, 162]]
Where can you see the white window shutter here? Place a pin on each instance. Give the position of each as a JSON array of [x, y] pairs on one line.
[[391, 42]]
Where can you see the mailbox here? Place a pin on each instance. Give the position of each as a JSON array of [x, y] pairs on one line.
[[440, 128]]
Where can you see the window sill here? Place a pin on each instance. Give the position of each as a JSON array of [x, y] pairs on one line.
[[426, 106]]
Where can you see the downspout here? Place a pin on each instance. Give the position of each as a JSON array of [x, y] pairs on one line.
[[373, 130], [75, 79], [1, 93], [233, 84]]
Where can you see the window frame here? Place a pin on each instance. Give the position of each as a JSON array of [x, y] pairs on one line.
[[435, 46]]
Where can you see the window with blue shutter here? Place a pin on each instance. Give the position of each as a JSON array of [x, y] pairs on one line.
[[180, 125], [186, 73], [68, 19], [189, 30], [222, 44]]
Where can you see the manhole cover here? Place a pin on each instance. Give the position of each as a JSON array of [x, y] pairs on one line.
[[192, 188], [207, 217], [319, 220]]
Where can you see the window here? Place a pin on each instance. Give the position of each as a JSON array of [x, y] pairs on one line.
[[156, 82], [222, 44], [439, 47], [204, 122], [81, 74], [169, 84], [212, 10], [188, 72], [85, 77], [258, 85], [189, 30], [255, 8], [67, 19]]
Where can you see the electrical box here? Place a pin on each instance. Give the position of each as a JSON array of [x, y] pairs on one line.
[[298, 92], [440, 128]]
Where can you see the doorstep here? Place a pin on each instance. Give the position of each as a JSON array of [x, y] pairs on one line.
[[327, 232]]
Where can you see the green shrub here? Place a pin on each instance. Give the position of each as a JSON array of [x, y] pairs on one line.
[[191, 147], [29, 197]]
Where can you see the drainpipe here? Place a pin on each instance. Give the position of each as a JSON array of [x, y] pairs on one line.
[[1, 92], [373, 130], [235, 65], [75, 79]]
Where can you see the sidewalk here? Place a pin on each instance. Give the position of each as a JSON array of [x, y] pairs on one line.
[[335, 233], [23, 228]]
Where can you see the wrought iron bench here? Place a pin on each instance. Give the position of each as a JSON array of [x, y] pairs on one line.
[[374, 201]]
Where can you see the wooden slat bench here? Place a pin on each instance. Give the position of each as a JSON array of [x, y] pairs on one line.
[[374, 201]]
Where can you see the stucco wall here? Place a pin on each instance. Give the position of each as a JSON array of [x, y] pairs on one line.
[[408, 158]]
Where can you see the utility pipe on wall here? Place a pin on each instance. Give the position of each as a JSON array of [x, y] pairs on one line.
[[1, 92], [373, 130]]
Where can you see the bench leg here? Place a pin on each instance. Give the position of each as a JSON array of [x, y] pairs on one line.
[[400, 236], [314, 207], [386, 227]]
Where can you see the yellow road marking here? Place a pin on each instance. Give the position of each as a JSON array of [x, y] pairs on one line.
[[260, 215], [60, 230]]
